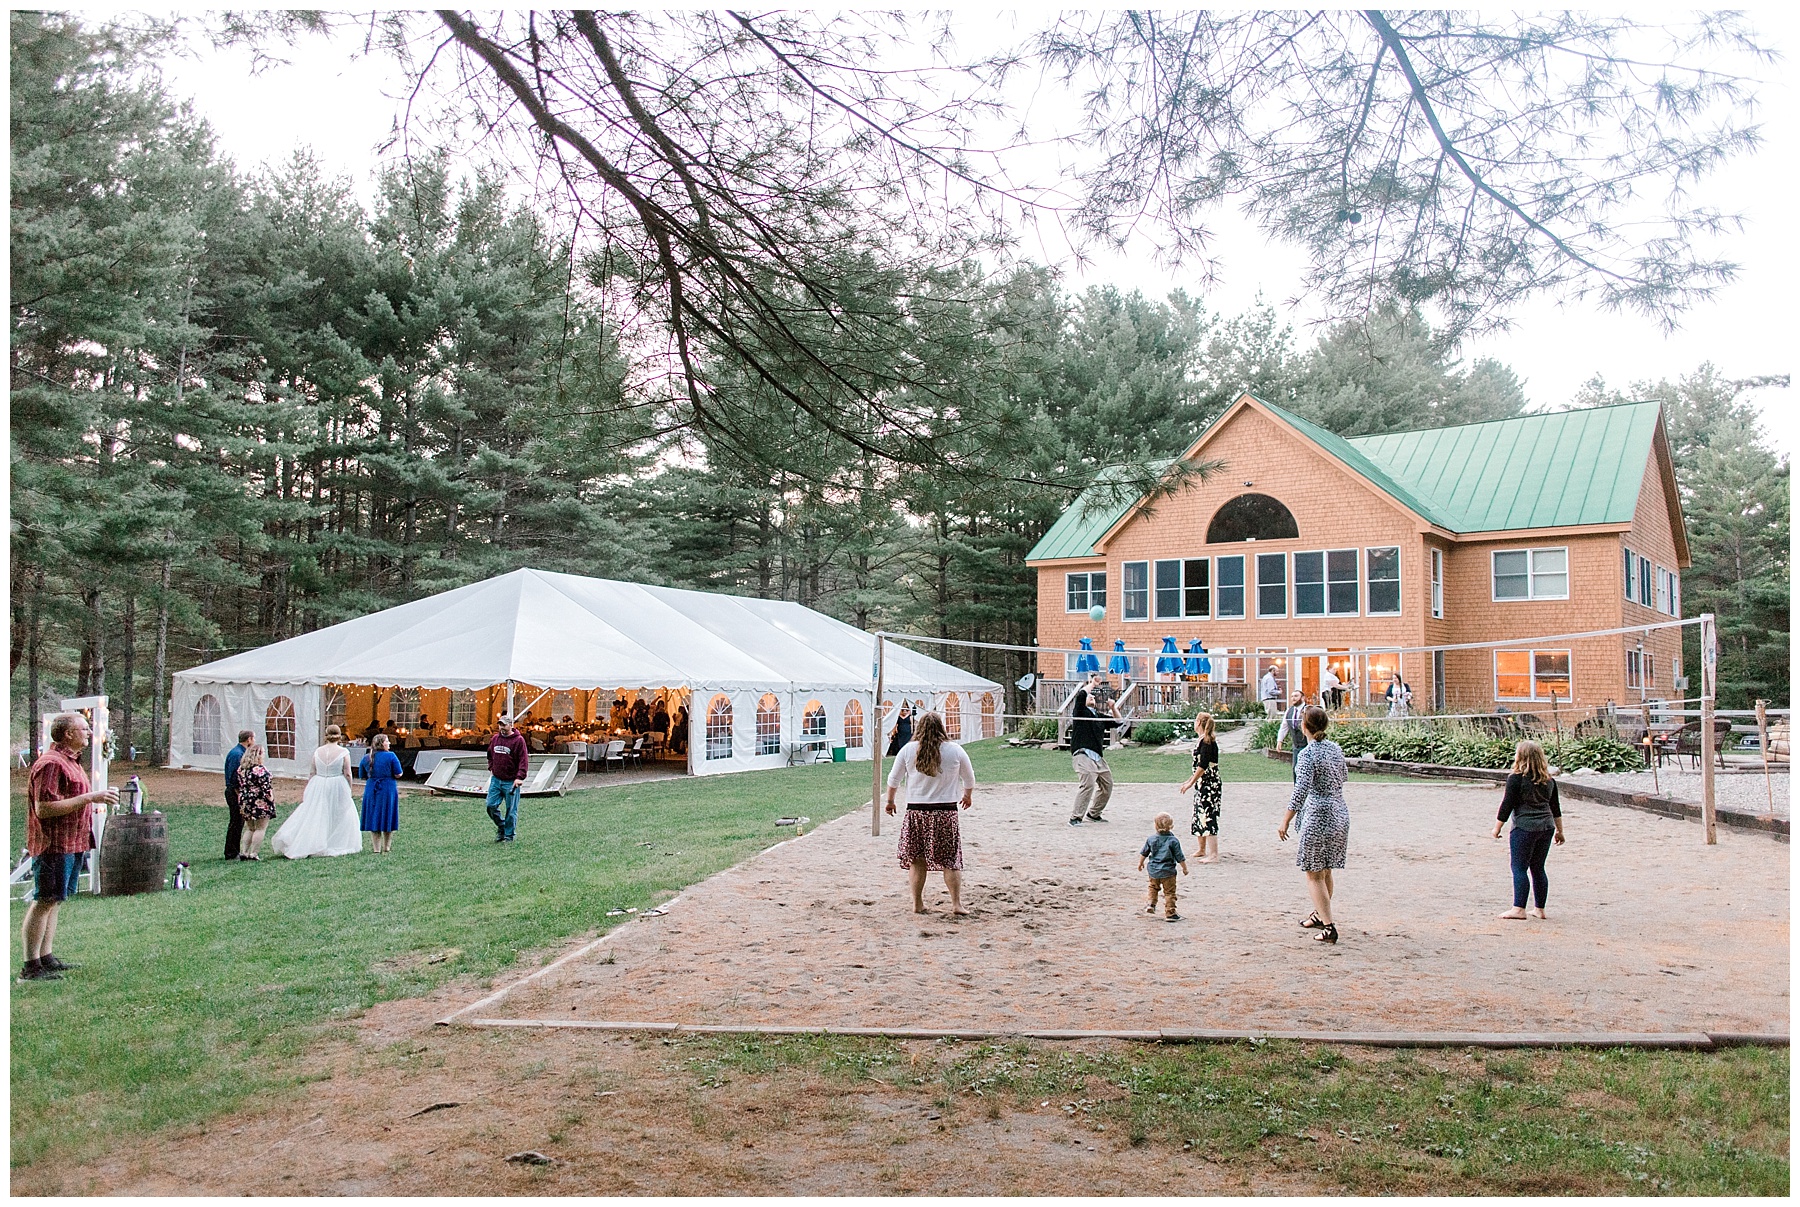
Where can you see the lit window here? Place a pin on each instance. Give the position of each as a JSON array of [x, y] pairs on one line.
[[1384, 580], [718, 728], [812, 721], [403, 708], [462, 709], [953, 717], [278, 728], [1531, 674], [336, 708], [768, 725], [209, 720], [1531, 574], [990, 720], [853, 725]]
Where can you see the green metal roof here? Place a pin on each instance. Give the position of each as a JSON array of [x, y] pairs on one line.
[[1550, 470]]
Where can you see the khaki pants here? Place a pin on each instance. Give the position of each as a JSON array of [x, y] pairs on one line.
[[1096, 787], [1272, 708], [1167, 885]]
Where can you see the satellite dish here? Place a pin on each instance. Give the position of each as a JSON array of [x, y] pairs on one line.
[[1026, 683]]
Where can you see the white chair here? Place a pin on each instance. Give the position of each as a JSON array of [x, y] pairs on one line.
[[636, 753], [615, 753]]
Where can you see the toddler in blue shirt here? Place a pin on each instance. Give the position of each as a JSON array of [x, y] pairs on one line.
[[1162, 853]]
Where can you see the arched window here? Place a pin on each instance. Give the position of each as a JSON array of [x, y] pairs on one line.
[[953, 716], [278, 728], [718, 728], [812, 721], [1251, 518], [990, 719], [403, 708], [208, 721], [462, 709], [768, 725], [853, 721]]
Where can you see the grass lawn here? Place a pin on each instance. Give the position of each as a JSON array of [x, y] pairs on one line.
[[1428, 1122], [997, 763], [187, 1003]]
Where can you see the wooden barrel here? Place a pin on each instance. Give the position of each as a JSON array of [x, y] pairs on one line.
[[134, 854]]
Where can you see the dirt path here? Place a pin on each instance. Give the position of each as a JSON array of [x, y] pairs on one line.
[[1650, 931]]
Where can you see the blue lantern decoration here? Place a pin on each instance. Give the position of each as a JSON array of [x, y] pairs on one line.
[[1193, 664], [1087, 660], [1166, 665], [1119, 664]]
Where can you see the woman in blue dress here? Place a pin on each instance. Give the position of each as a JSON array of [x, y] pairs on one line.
[[381, 793], [1319, 775]]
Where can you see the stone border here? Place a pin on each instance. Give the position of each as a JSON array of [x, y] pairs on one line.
[[1666, 806]]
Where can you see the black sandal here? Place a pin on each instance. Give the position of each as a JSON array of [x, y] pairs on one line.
[[1327, 934], [1312, 921]]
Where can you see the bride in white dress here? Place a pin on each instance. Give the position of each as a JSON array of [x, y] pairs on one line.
[[326, 821]]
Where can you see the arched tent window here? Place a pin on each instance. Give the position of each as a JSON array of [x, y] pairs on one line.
[[718, 728], [1251, 518], [336, 707], [990, 720], [278, 728], [209, 719], [462, 709], [853, 725], [403, 708], [768, 725], [562, 704], [953, 716], [812, 721]]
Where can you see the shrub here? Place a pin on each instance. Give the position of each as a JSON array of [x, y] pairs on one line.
[[1039, 729], [1452, 744], [1153, 732], [1267, 733]]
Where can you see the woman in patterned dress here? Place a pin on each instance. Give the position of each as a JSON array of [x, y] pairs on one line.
[[1207, 790], [1319, 775], [934, 771], [256, 802]]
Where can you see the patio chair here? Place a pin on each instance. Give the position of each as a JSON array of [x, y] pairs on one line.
[[615, 753], [636, 753], [1687, 740]]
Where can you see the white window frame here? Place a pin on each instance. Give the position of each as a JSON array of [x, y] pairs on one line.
[[1634, 670], [1664, 591], [1644, 589], [1069, 590], [1631, 594], [1437, 584], [462, 709], [1243, 586], [1368, 584], [1531, 656], [1675, 594], [1125, 593], [1356, 580], [1531, 574], [1324, 582], [1187, 586], [1287, 578], [1156, 589]]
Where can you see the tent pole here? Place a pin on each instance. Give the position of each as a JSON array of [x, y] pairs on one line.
[[509, 700], [876, 715]]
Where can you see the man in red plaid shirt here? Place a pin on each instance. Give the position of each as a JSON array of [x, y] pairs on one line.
[[59, 832]]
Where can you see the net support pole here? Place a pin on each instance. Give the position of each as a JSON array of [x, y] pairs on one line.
[[880, 727], [1762, 747], [1709, 667]]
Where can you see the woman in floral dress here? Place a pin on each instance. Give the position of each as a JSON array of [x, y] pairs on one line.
[[1207, 789], [256, 801]]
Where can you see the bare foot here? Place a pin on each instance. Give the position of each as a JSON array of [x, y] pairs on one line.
[[959, 912], [919, 909], [1539, 915], [1208, 859], [1514, 913]]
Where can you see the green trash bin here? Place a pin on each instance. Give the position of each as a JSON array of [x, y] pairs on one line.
[[838, 754]]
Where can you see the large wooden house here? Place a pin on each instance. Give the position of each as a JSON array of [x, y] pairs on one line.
[[1299, 549]]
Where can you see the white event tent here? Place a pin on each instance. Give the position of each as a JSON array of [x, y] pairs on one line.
[[737, 658]]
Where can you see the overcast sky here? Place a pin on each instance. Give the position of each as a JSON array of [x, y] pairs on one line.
[[343, 107]]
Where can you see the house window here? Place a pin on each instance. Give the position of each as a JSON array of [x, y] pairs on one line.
[[768, 724], [1675, 594], [278, 728], [1531, 674], [1644, 581], [953, 717], [1251, 518], [1137, 590], [1630, 576], [1341, 588], [718, 728], [1271, 584], [1665, 591], [1168, 590], [1634, 668], [1384, 580], [1231, 588], [209, 719], [1384, 668], [1085, 590], [1437, 584], [853, 718], [462, 710], [1197, 587], [1531, 574], [1183, 589], [812, 721], [1650, 670], [1309, 584]]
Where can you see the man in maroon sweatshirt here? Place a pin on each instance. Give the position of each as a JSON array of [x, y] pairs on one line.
[[508, 759]]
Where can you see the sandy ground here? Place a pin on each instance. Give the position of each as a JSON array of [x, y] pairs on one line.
[[1650, 929]]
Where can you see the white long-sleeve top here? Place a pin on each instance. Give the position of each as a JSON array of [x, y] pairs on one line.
[[955, 772]]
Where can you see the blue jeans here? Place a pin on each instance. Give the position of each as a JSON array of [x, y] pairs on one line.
[[503, 804], [1529, 850]]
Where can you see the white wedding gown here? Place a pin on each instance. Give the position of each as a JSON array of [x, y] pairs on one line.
[[326, 821]]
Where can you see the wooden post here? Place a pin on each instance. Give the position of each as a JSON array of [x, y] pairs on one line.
[[879, 720], [1762, 745], [1709, 668]]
